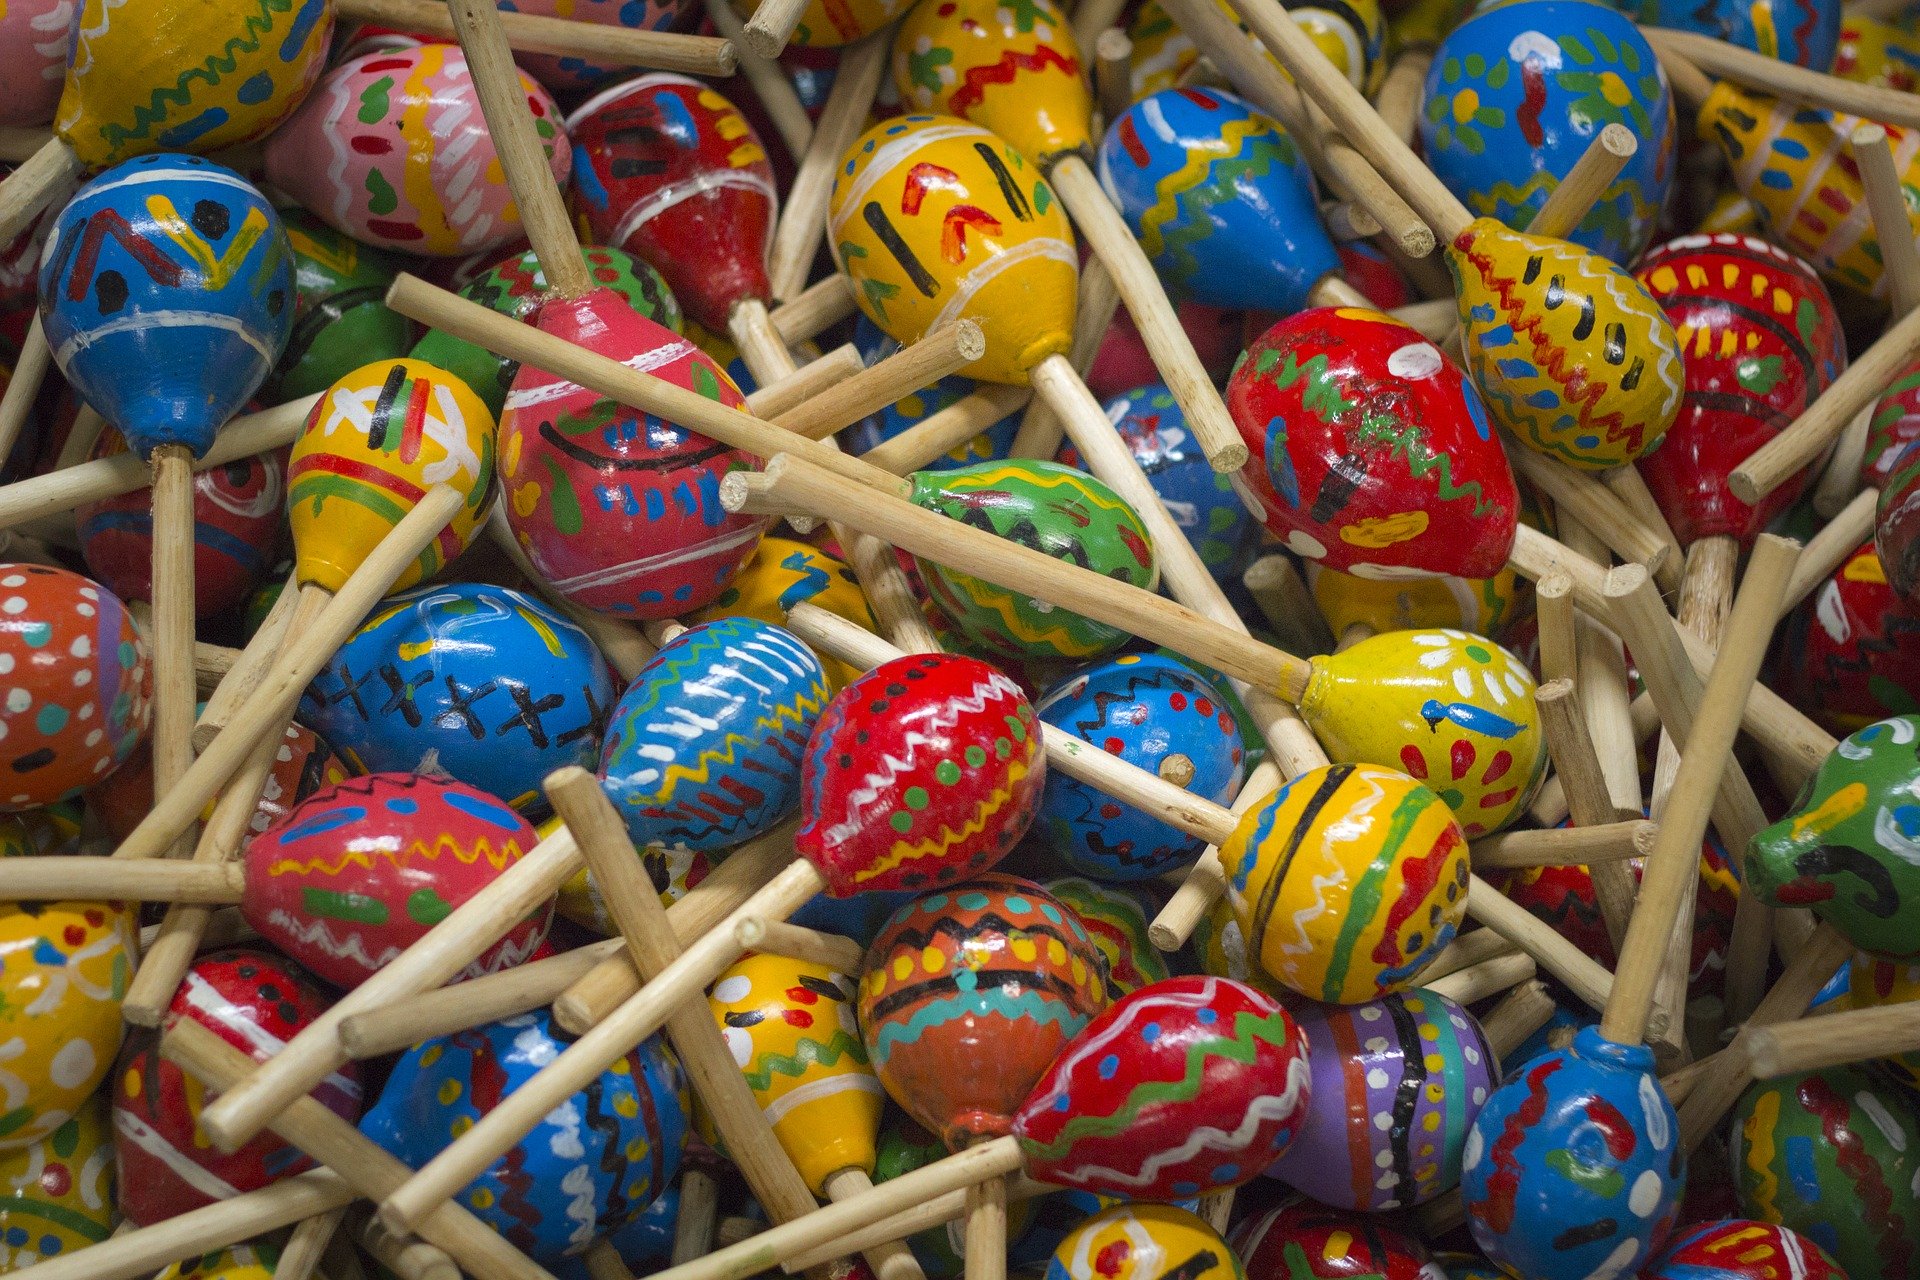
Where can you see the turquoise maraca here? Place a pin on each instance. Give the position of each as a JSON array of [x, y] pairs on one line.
[[166, 293], [1222, 201]]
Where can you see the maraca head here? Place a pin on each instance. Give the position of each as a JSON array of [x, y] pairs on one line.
[[1895, 425], [64, 967], [495, 689], [1303, 1241], [1896, 526], [925, 770], [34, 39], [166, 290], [1516, 94], [828, 24], [235, 1262], [969, 994], [562, 72], [256, 1001], [1569, 351], [1848, 655], [78, 699], [1372, 454], [373, 445], [592, 1164], [1115, 917], [163, 77], [1742, 1249], [669, 170], [56, 1195], [791, 1028], [340, 316], [1797, 168], [237, 510], [1872, 984], [1064, 513], [1188, 1086], [1874, 52], [516, 287], [1220, 198], [359, 871], [1453, 710], [1394, 852], [1144, 1242], [936, 220], [1014, 69], [671, 871], [1155, 712], [1832, 1155], [1760, 340], [703, 751], [1845, 851], [782, 573], [1807, 33], [1575, 1164], [1480, 605], [409, 163], [1396, 1082]]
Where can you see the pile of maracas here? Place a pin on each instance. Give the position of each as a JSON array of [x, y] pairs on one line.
[[1117, 719]]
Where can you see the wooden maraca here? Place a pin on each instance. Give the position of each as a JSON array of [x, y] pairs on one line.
[[1742, 1249], [1513, 99], [166, 296], [969, 994], [59, 1190], [143, 79], [413, 166], [1019, 75], [1144, 1242]]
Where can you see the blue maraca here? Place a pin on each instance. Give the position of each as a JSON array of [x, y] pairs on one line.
[[1803, 32], [1221, 200], [166, 293], [1517, 93]]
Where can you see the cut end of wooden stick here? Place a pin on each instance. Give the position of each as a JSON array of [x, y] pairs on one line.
[[1418, 241], [1620, 141], [969, 340]]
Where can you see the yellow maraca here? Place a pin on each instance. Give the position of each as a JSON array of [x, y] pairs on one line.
[[236, 1262], [1351, 33], [1480, 605], [783, 573], [56, 1195], [64, 968], [1016, 70], [168, 76], [1142, 1241]]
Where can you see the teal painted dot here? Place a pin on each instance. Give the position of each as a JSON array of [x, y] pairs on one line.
[[965, 980], [1019, 905], [901, 822], [934, 902], [36, 634], [1050, 911], [51, 719], [1478, 654], [972, 901], [976, 756], [128, 654], [947, 772], [916, 798]]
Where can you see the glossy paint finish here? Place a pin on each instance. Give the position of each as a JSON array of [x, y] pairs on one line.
[[1896, 526], [703, 750], [968, 995], [1851, 654], [1871, 983], [924, 771], [1144, 1242], [487, 683], [783, 573], [1741, 1249], [56, 1195], [34, 37], [78, 696], [391, 149], [1013, 69], [1116, 917], [1372, 453], [64, 967], [1304, 1241], [670, 171], [166, 292], [361, 870], [1347, 881], [1187, 1086], [340, 317], [1480, 605]]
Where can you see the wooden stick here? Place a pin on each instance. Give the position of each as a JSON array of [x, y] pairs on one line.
[[699, 1210], [1581, 494], [1401, 95], [176, 696], [139, 1253], [602, 44], [338, 1145], [1041, 430], [1581, 973], [1630, 487], [1553, 609], [29, 371], [1840, 479], [1564, 846], [1783, 79], [772, 25], [938, 433], [986, 1231], [1828, 549], [407, 1259], [63, 490], [1473, 947], [819, 306], [797, 237], [45, 179], [301, 1254], [1794, 449], [394, 1027], [945, 350], [1604, 698], [1206, 881], [1290, 609], [1113, 73], [1892, 225], [1691, 85], [797, 942], [1571, 747], [1091, 17], [1153, 314], [1568, 203], [768, 78], [243, 678], [1709, 746], [1524, 1011], [52, 877], [1488, 978], [1852, 1035], [814, 378]]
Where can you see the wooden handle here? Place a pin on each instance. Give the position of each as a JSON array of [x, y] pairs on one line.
[[29, 371], [1814, 1044], [948, 349], [1041, 430], [1524, 1011], [1709, 746], [1488, 978], [1113, 72], [986, 1230], [46, 179], [1892, 224], [796, 239], [791, 483], [517, 1114], [1582, 495], [797, 942], [243, 677], [394, 1027], [176, 696], [1582, 974], [596, 42], [52, 877], [1727, 61], [1570, 202], [516, 140], [819, 307], [772, 25], [768, 78], [930, 439], [1565, 846]]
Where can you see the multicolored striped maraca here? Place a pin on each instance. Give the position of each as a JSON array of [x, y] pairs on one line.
[[1844, 655], [1116, 919]]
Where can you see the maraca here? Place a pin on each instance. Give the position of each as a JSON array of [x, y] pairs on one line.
[[1740, 1249], [412, 164], [1018, 74], [1372, 454], [1351, 35], [1485, 606], [969, 994], [147, 78], [256, 1001], [820, 24], [703, 750], [487, 683], [1514, 97], [339, 319], [1115, 917], [1830, 1155], [1144, 1242], [166, 294], [1302, 1241], [1895, 424], [1896, 530], [1412, 1070], [33, 58], [783, 573], [56, 1195], [359, 871], [1851, 653], [590, 1165], [235, 1262]]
